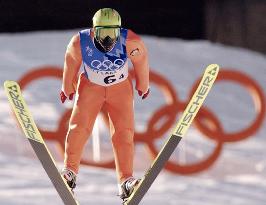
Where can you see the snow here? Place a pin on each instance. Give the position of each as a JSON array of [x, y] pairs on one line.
[[238, 176]]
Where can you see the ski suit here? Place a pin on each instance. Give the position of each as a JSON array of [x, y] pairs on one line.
[[104, 82]]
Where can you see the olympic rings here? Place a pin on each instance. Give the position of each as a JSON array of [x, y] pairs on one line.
[[107, 65], [206, 121]]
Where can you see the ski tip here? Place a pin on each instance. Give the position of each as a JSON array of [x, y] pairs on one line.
[[213, 69], [9, 83], [213, 66], [6, 83]]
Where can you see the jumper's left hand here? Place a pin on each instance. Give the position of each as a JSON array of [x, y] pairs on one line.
[[63, 96], [145, 95]]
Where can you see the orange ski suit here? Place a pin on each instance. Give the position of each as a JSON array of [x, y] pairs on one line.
[[117, 99]]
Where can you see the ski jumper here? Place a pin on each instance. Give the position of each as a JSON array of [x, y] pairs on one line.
[[104, 82]]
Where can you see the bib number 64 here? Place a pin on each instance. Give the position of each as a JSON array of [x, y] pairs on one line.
[[111, 78]]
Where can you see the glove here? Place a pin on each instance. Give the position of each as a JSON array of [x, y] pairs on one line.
[[63, 97], [145, 94]]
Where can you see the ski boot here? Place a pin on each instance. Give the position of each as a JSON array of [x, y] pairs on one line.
[[70, 178], [127, 188]]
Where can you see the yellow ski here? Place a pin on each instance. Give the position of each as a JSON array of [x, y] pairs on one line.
[[32, 133]]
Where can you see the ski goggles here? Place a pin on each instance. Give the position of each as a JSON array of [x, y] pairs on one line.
[[103, 31]]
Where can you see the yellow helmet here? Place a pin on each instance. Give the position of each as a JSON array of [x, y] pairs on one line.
[[106, 17]]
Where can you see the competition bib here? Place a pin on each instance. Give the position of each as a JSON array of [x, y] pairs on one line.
[[106, 77], [104, 68]]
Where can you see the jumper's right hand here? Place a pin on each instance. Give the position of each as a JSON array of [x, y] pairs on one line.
[[63, 96]]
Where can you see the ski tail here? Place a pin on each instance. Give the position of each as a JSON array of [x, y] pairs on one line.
[[205, 85], [32, 133]]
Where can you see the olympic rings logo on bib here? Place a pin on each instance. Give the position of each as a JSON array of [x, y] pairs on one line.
[[107, 65]]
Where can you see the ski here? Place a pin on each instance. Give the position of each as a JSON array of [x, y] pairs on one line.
[[32, 133], [178, 133]]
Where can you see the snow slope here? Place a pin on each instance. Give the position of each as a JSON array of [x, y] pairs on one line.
[[238, 176]]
